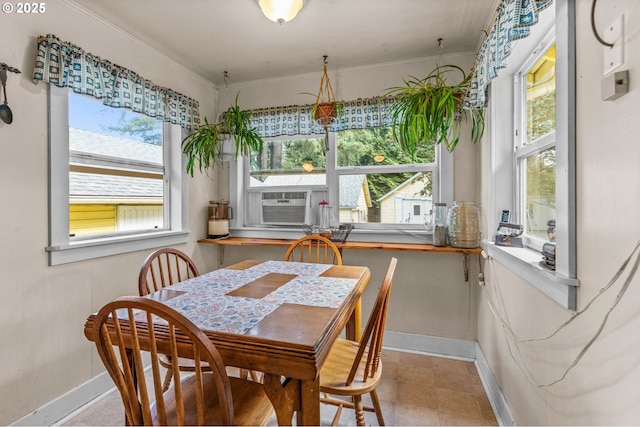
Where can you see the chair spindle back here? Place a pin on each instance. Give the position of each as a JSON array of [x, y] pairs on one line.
[[374, 331], [316, 249], [163, 268], [128, 323]]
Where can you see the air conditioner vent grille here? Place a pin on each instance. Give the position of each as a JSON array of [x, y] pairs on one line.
[[291, 195], [285, 207]]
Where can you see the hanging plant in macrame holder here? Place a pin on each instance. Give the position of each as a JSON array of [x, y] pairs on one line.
[[326, 109]]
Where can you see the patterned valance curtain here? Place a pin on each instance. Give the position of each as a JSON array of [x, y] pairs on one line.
[[513, 22], [296, 119], [66, 65]]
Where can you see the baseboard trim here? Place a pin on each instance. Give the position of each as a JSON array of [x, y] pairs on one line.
[[497, 399], [438, 346], [68, 403]]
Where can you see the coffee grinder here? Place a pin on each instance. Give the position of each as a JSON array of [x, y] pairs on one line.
[[219, 215]]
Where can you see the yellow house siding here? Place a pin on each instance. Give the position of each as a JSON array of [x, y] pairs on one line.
[[92, 219]]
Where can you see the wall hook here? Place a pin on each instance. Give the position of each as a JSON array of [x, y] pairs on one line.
[[4, 66]]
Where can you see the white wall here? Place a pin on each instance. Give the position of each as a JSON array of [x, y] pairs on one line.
[[43, 309], [602, 388], [44, 353], [348, 84], [430, 296]]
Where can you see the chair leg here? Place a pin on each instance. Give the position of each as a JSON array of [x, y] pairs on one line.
[[255, 377], [336, 417], [167, 379], [376, 406], [359, 407], [250, 374]]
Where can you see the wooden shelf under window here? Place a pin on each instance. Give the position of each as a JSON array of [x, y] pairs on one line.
[[411, 247]]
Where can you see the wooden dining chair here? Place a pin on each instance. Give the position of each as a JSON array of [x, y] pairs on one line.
[[130, 329], [316, 249], [354, 369], [165, 267]]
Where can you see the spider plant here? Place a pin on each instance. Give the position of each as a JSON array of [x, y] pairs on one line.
[[429, 110], [204, 145]]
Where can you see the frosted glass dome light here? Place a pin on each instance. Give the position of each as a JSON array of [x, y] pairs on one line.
[[280, 11]]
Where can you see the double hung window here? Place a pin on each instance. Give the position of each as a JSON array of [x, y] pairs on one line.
[[116, 170], [532, 111], [535, 145], [363, 174], [116, 180]]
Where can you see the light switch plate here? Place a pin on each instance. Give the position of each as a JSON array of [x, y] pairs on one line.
[[614, 56]]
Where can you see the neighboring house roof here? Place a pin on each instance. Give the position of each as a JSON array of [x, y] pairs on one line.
[[399, 188], [254, 182], [103, 188], [291, 180], [84, 141], [351, 186], [84, 185]]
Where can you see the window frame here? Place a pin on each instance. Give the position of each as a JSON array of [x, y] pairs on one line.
[[524, 149], [62, 249], [282, 138], [560, 285], [442, 174]]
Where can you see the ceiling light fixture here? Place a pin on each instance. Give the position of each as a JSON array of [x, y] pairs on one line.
[[280, 11]]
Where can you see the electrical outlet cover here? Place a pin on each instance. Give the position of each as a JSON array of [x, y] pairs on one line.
[[614, 56]]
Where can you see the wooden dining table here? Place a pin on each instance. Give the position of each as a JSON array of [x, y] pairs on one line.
[[276, 317]]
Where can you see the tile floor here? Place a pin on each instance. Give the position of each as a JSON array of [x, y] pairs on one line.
[[415, 390]]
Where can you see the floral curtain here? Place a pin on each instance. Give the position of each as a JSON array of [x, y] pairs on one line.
[[296, 119], [66, 65], [513, 22]]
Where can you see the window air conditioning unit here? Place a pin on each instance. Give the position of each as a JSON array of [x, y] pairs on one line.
[[285, 207]]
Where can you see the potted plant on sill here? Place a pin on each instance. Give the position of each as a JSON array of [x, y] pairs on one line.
[[430, 110], [204, 145]]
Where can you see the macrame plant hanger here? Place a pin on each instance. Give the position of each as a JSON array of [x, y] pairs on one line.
[[325, 111]]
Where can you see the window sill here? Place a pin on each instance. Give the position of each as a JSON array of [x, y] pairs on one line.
[[90, 249], [524, 263]]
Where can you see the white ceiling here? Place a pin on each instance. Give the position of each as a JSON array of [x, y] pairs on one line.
[[213, 36]]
